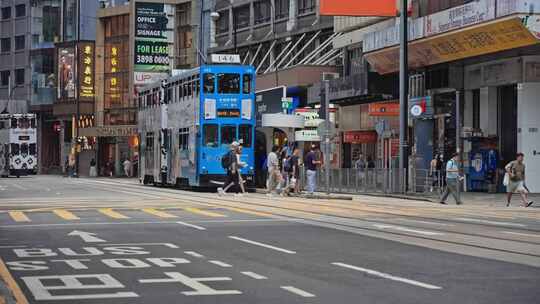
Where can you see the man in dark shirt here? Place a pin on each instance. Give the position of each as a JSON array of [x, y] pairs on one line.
[[311, 163]]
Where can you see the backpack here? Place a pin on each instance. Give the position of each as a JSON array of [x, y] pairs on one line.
[[226, 160]]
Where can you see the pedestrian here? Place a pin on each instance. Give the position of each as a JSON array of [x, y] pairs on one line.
[[293, 173], [127, 167], [516, 180], [311, 162], [360, 166], [453, 180], [93, 169], [435, 169], [229, 162], [241, 164], [274, 175], [110, 167], [72, 165]]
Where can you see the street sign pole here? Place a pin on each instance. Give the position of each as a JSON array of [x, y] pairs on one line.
[[326, 138], [403, 97]]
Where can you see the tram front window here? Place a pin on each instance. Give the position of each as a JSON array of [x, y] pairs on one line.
[[211, 138], [244, 135], [24, 149], [24, 123], [209, 82], [228, 134], [228, 83], [33, 149], [246, 84], [14, 149]]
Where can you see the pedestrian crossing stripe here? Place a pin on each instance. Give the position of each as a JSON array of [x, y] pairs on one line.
[[113, 214], [245, 211], [67, 215], [158, 213], [204, 212], [19, 216]]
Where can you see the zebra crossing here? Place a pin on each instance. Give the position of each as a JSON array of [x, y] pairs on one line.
[[120, 214]]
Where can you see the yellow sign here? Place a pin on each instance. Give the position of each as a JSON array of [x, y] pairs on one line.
[[86, 68], [470, 42]]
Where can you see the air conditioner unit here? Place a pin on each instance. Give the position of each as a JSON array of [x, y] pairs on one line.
[[329, 76]]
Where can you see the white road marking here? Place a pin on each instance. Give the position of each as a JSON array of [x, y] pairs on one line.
[[423, 222], [169, 245], [194, 254], [14, 246], [191, 225], [253, 275], [388, 276], [87, 237], [298, 291], [473, 220], [262, 244], [521, 234], [220, 263], [405, 229]]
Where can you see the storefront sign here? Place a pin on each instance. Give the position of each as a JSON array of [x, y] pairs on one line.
[[153, 41], [390, 36], [307, 135], [311, 117], [460, 16], [479, 40], [113, 67], [86, 70], [383, 109], [142, 78], [110, 131], [66, 73], [384, 8], [509, 7], [359, 137]]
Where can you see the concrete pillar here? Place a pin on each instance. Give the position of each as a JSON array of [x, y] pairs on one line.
[[488, 113]]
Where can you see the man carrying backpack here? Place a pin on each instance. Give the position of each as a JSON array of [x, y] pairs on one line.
[[229, 161]]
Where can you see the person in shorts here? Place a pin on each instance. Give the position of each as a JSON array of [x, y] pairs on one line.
[[516, 180]]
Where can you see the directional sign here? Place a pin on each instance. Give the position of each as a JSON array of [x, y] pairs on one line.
[[86, 236], [286, 103]]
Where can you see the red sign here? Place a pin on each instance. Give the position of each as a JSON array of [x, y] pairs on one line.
[[382, 8], [360, 137], [384, 109]]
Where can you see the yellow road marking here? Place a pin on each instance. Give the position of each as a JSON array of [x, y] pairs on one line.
[[204, 212], [13, 286], [111, 213], [2, 300], [155, 212], [19, 216], [257, 213], [67, 215]]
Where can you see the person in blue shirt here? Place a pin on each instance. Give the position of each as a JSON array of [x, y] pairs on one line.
[[452, 180]]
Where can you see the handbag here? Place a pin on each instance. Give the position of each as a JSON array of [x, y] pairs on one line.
[[506, 179]]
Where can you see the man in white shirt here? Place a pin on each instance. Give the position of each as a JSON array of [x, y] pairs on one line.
[[274, 175]]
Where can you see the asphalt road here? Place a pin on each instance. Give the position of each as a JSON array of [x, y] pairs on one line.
[[115, 241]]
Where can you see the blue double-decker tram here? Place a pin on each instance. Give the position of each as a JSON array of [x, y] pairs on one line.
[[188, 122]]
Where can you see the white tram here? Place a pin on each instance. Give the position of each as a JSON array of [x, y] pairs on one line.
[[18, 144]]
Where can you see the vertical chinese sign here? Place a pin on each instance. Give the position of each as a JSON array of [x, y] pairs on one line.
[[86, 70]]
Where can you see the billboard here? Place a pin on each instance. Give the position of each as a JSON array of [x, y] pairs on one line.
[[153, 41], [383, 8], [66, 73]]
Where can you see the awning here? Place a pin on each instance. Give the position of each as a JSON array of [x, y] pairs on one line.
[[490, 37]]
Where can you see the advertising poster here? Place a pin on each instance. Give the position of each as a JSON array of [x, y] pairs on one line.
[[66, 73], [153, 40]]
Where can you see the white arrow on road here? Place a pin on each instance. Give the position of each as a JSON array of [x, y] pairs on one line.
[[88, 237], [404, 229]]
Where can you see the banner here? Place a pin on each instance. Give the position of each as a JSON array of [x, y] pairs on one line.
[[382, 8], [66, 73], [459, 17]]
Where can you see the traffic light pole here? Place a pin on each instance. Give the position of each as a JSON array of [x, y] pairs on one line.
[[403, 97], [326, 138]]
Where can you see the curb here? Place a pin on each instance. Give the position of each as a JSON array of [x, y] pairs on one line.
[[351, 197]]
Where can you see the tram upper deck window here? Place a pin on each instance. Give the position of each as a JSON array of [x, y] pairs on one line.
[[14, 123], [33, 123], [228, 134], [246, 84], [228, 83], [244, 135], [211, 135], [209, 83], [24, 123]]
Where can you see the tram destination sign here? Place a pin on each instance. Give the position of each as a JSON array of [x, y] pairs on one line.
[[231, 113]]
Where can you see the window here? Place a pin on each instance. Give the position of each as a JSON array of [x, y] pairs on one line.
[[211, 135], [24, 149], [6, 13], [14, 149], [14, 123], [262, 11], [4, 78], [228, 134], [19, 77], [33, 149], [241, 16], [223, 22], [244, 135], [33, 123], [5, 45], [183, 139], [282, 9], [209, 83], [246, 84], [228, 83], [150, 141], [24, 123], [306, 6], [19, 42], [20, 10]]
